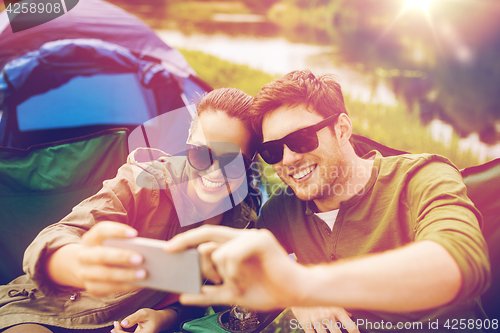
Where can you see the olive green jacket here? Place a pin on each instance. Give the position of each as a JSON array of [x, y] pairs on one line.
[[408, 198]]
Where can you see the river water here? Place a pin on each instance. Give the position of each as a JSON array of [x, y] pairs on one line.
[[276, 55]]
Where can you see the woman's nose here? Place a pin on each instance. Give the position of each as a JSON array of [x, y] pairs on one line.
[[215, 170]]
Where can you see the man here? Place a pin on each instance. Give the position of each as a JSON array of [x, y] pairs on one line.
[[402, 234]]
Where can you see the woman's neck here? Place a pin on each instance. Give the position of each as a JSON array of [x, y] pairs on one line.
[[215, 220]]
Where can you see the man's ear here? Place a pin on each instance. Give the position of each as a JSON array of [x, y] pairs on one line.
[[343, 129]]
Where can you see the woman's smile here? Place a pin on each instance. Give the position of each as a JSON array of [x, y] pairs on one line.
[[211, 185]]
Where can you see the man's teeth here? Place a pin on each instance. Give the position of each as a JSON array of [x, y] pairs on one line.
[[303, 173], [210, 184]]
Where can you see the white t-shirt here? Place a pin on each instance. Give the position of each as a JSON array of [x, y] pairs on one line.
[[329, 217]]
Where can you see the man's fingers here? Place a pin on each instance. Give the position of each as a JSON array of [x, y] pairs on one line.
[[307, 328], [100, 255], [203, 234], [322, 319], [302, 316], [207, 266], [345, 320], [349, 325], [235, 257], [352, 329], [103, 230], [250, 243], [322, 327]]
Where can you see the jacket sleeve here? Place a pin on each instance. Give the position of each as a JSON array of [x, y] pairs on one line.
[[273, 217], [443, 213], [119, 200]]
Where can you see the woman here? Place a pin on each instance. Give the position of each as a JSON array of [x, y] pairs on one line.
[[155, 199]]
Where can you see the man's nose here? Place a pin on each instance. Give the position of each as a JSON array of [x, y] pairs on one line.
[[290, 157]]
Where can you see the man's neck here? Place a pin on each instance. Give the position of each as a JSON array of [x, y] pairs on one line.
[[353, 185]]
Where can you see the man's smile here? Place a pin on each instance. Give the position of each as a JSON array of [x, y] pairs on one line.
[[303, 174]]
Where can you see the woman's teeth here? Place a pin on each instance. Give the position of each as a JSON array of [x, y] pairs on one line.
[[304, 172], [211, 184]]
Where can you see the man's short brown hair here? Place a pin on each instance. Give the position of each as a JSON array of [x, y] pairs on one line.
[[321, 94]]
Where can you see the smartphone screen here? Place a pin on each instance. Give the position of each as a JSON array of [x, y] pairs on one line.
[[174, 272]]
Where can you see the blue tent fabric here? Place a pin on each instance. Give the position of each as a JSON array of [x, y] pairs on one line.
[[83, 87], [126, 45], [56, 62]]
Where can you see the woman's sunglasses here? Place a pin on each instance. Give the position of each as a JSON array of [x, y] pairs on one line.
[[301, 141], [202, 158]]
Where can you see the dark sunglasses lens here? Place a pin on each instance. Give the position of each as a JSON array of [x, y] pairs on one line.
[[272, 153], [302, 141], [232, 164], [199, 158]]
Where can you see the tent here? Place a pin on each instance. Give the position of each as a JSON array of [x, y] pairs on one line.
[[96, 57], [93, 19], [71, 91]]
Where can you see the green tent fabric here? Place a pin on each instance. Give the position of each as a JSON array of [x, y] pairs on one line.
[[213, 323], [41, 184]]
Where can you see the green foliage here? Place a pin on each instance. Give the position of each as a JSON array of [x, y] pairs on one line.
[[397, 128], [220, 73]]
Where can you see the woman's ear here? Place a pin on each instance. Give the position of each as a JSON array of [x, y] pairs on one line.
[[343, 129]]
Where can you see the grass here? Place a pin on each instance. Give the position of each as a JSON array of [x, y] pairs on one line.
[[219, 73], [392, 126], [395, 127]]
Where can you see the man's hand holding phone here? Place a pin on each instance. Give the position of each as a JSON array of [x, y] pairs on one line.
[[254, 269]]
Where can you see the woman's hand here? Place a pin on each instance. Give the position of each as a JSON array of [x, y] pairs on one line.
[[148, 321], [98, 269]]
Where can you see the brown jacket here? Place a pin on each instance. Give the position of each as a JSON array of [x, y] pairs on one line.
[[148, 208]]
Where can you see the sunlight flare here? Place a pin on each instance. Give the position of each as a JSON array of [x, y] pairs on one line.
[[417, 4]]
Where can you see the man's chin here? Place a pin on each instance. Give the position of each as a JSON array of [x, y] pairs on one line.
[[306, 193]]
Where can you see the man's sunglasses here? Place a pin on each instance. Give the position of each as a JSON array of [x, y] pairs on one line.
[[301, 141], [202, 158]]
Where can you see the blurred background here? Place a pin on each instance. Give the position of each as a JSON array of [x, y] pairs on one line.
[[418, 75]]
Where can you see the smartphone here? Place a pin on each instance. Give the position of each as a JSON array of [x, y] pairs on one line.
[[175, 272]]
